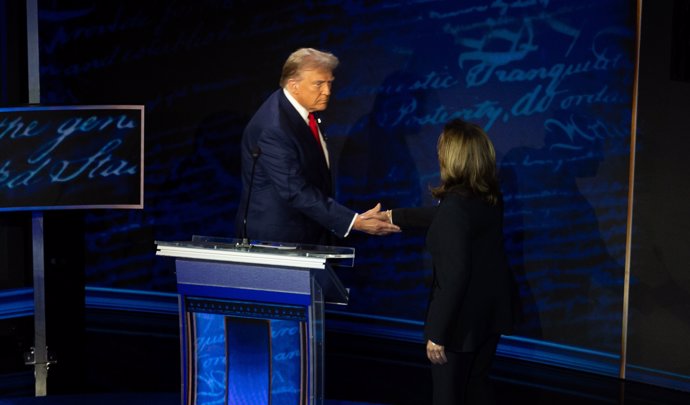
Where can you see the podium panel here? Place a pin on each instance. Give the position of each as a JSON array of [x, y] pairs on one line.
[[236, 359], [251, 320]]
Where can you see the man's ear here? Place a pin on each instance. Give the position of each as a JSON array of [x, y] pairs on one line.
[[293, 86]]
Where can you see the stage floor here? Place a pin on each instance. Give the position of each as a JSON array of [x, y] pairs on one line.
[[136, 362], [514, 382], [122, 399]]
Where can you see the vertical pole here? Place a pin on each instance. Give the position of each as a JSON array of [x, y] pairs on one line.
[[631, 193], [32, 51], [40, 349]]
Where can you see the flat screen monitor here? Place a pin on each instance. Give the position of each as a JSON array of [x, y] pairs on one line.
[[71, 157]]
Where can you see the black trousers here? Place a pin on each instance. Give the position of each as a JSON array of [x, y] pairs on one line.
[[464, 379]]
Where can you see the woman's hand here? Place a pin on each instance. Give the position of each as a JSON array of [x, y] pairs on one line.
[[435, 353]]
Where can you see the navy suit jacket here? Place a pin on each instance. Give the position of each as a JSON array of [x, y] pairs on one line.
[[292, 192]]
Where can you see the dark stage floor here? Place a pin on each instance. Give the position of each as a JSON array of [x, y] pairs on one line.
[[120, 399], [136, 362], [572, 389], [384, 382], [534, 385]]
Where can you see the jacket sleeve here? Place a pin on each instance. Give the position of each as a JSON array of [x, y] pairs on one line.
[[449, 243], [418, 217], [279, 161]]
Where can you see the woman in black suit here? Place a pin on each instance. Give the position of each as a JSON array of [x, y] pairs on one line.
[[470, 301]]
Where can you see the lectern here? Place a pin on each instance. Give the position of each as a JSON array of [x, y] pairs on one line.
[[252, 319]]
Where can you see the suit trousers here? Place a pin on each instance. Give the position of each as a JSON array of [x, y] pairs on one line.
[[464, 379]]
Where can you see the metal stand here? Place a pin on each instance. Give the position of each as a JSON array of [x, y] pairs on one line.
[[38, 356], [39, 352]]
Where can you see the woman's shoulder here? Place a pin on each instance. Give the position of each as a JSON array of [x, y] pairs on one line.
[[459, 196], [454, 204], [467, 202]]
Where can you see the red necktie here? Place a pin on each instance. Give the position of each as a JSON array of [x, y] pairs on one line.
[[314, 128]]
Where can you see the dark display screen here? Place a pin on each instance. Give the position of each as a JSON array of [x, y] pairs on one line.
[[71, 157]]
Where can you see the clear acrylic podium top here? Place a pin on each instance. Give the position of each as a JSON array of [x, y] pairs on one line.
[[333, 255]]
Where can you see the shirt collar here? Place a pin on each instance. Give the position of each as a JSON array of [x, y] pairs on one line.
[[301, 110]]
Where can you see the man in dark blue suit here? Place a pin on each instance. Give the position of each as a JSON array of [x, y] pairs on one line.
[[287, 193]]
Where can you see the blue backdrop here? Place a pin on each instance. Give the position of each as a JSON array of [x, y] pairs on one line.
[[550, 80]]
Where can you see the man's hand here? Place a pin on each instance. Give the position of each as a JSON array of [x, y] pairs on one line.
[[374, 222]]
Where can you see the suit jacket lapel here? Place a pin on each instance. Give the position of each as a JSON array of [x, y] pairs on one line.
[[327, 172], [303, 133]]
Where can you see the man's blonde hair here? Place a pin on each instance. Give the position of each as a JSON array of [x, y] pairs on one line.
[[307, 59]]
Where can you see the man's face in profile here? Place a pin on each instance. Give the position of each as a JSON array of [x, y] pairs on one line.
[[313, 89]]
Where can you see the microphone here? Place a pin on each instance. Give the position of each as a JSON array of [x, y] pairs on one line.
[[255, 155]]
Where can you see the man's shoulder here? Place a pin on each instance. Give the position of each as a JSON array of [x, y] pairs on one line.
[[273, 120], [275, 105], [267, 112], [272, 99]]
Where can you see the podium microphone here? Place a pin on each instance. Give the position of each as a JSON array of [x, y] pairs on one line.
[[255, 155]]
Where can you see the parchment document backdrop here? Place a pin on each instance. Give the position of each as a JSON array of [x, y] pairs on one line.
[[550, 80]]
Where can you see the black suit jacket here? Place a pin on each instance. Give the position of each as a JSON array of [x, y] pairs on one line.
[[472, 287], [292, 192]]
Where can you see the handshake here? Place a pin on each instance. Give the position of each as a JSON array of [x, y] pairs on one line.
[[375, 222]]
